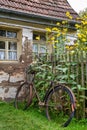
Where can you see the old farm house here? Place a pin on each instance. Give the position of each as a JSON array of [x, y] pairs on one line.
[[21, 21]]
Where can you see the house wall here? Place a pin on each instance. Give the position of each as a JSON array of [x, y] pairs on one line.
[[12, 73]]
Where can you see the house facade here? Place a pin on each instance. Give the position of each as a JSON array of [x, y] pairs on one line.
[[21, 22]]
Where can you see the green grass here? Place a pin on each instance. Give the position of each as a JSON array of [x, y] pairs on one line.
[[32, 119]]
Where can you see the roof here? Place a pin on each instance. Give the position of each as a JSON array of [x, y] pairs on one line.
[[45, 8]]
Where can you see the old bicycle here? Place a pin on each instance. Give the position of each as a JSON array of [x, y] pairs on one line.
[[58, 101]]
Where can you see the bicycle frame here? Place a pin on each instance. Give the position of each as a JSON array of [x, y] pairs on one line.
[[40, 103]]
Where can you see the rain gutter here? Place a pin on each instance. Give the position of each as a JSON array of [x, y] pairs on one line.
[[27, 15]]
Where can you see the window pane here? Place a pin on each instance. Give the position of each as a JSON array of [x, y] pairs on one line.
[[12, 55], [11, 34], [3, 33], [70, 39], [34, 36], [40, 35], [43, 37], [2, 50], [35, 48], [12, 46], [42, 49], [2, 55], [2, 45]]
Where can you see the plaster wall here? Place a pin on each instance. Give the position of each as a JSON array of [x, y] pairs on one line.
[[12, 73]]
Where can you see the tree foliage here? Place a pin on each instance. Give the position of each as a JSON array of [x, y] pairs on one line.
[[83, 13]]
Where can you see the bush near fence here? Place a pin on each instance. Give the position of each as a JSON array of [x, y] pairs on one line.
[[71, 69]]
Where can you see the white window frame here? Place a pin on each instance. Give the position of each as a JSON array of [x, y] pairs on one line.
[[40, 44], [17, 40]]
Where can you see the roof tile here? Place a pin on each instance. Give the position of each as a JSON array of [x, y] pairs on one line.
[[49, 8]]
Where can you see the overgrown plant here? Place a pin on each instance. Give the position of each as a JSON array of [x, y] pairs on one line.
[[61, 67], [58, 39]]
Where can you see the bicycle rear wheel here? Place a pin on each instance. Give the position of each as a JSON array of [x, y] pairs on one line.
[[23, 96], [60, 105]]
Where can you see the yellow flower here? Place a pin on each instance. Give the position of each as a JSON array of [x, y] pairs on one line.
[[85, 48], [63, 33], [78, 18], [64, 22], [48, 29], [82, 48], [52, 38], [84, 40], [54, 29], [84, 22], [76, 44], [67, 47], [79, 35], [58, 31], [85, 16], [56, 41], [72, 52], [86, 32], [55, 47], [71, 48], [68, 15], [38, 38], [65, 29], [58, 23], [58, 34], [77, 26]]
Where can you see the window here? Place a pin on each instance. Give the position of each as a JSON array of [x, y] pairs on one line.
[[8, 45], [70, 40], [39, 43], [39, 47]]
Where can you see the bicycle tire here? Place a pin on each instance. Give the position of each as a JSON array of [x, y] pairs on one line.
[[60, 105], [23, 97]]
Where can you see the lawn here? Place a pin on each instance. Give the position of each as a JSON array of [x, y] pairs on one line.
[[32, 119]]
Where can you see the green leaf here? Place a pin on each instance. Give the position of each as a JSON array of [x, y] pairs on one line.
[[72, 82], [62, 81], [74, 63], [64, 77], [64, 70], [40, 84], [74, 88], [79, 86], [72, 76], [83, 96]]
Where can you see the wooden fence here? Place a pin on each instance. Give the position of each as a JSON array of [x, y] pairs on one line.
[[77, 64], [71, 69]]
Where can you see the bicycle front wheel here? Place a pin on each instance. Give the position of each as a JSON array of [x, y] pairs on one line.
[[23, 96], [60, 105]]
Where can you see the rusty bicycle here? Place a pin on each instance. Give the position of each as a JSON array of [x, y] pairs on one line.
[[58, 101]]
